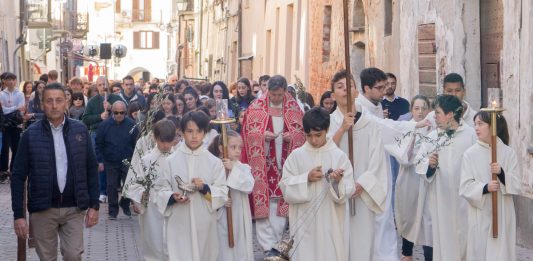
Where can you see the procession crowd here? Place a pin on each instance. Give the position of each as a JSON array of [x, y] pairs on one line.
[[336, 180]]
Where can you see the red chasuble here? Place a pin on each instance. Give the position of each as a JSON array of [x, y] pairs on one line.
[[257, 120]]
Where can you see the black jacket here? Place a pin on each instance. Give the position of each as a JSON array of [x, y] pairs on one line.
[[35, 160], [115, 141]]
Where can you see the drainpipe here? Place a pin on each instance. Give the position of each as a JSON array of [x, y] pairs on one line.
[[201, 37], [239, 41]]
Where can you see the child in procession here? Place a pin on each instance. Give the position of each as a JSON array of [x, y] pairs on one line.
[[191, 189], [317, 180], [477, 187], [147, 170], [240, 183]]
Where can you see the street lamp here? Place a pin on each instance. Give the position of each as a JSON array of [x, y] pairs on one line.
[[182, 5]]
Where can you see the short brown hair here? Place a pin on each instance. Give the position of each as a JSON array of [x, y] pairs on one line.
[[164, 130], [52, 75]]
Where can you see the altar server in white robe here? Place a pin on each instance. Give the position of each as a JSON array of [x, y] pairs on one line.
[[453, 84], [370, 170], [191, 218], [317, 202], [413, 220], [439, 163], [477, 187], [240, 183], [148, 168]]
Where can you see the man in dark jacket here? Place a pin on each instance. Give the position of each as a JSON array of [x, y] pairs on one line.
[[115, 142], [96, 111], [57, 159]]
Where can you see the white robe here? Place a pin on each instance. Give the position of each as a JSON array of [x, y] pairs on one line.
[[447, 208], [240, 182], [413, 220], [386, 237], [318, 233], [151, 221], [475, 174], [143, 146], [191, 228], [370, 170]]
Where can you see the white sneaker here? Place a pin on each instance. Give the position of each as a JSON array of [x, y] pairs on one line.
[[103, 198]]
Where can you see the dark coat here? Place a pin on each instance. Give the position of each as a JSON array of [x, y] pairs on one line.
[[35, 161]]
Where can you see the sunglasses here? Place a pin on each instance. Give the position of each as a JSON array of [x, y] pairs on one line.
[[77, 98], [119, 112]]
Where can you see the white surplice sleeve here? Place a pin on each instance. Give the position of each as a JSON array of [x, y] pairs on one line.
[[512, 172], [294, 183], [423, 162], [219, 190], [374, 180], [241, 178], [346, 186], [471, 188], [163, 189]]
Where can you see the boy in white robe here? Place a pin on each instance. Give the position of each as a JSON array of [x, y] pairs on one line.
[[477, 187], [150, 220], [192, 188], [370, 170], [317, 203], [438, 162], [240, 183]]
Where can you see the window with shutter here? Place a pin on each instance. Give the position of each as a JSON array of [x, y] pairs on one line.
[[146, 40], [147, 10]]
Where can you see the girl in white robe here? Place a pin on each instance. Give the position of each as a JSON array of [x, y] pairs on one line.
[[477, 187], [150, 220], [317, 207], [192, 188], [439, 163], [240, 183], [413, 220]]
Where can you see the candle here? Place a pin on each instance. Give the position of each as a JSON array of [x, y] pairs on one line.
[[494, 104], [222, 109]]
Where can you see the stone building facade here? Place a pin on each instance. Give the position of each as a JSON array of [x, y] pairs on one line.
[[420, 41], [486, 41]]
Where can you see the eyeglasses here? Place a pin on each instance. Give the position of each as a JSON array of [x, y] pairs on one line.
[[119, 112]]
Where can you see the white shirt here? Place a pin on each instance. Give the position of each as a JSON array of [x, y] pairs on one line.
[[11, 101], [61, 155]]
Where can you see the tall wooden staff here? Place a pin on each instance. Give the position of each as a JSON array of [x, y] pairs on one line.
[[348, 89], [494, 110], [223, 119]]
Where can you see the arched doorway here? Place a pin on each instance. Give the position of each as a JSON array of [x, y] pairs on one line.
[[140, 73], [358, 49]]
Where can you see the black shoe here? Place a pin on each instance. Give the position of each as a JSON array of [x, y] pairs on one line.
[[272, 253], [112, 217], [125, 205]]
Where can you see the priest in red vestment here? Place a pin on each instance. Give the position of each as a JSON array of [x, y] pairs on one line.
[[271, 130]]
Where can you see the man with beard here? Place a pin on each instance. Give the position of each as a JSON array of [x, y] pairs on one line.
[[393, 106]]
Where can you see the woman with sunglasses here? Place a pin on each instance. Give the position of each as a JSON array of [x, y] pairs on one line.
[[78, 106]]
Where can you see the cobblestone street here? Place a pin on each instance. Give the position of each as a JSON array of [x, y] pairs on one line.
[[116, 239]]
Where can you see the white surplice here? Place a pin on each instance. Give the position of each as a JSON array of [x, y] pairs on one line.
[[191, 227], [370, 171], [318, 228], [386, 236], [240, 182], [413, 220], [151, 221], [143, 146], [475, 174], [447, 208]]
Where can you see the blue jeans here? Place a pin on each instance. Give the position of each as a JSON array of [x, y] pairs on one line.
[[101, 175]]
